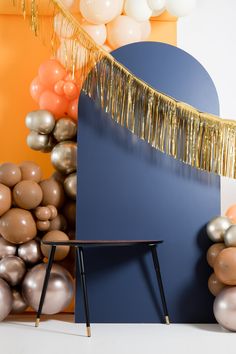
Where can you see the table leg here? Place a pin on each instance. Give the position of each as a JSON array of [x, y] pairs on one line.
[[45, 284], [84, 288], [159, 280]]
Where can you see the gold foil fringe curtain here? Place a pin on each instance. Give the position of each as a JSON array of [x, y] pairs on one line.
[[198, 139]]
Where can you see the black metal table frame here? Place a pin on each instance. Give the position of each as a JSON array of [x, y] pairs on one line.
[[79, 245]]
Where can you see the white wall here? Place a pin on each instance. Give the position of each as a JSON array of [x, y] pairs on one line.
[[209, 34]]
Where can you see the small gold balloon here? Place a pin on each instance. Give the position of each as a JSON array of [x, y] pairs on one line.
[[217, 227], [6, 299], [6, 248], [70, 185], [64, 157], [65, 129]]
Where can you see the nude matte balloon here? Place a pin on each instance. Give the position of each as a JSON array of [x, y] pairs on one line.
[[213, 252], [53, 193], [30, 252], [6, 299], [215, 285], [62, 27], [27, 194], [12, 269], [10, 174], [6, 248], [30, 171], [123, 30], [225, 266], [145, 29], [43, 213], [61, 251], [53, 210], [58, 223], [59, 292], [43, 225], [5, 199], [225, 308], [19, 305], [17, 226], [100, 11]]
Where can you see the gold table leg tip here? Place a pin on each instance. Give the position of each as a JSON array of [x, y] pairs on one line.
[[37, 322], [88, 331], [167, 320]]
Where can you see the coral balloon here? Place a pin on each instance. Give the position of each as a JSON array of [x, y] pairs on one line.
[[123, 30], [59, 292], [30, 171], [214, 285], [36, 88], [12, 269], [138, 10], [5, 199], [53, 193], [225, 308], [97, 32], [6, 300], [231, 213], [50, 72], [73, 109], [145, 29], [52, 102], [27, 194], [213, 252], [70, 90], [17, 226], [10, 174], [225, 266], [59, 87], [61, 251], [100, 11]]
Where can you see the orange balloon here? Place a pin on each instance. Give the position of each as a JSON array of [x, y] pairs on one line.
[[54, 103], [225, 266], [214, 284], [231, 213], [213, 252], [36, 88], [50, 72]]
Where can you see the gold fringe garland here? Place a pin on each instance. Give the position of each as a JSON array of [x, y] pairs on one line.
[[198, 139]]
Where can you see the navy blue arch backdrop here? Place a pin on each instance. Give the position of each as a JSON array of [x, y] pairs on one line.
[[127, 190]]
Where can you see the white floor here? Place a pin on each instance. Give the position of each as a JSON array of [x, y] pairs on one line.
[[59, 335]]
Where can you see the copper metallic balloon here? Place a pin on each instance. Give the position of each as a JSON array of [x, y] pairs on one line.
[[225, 266], [215, 285], [30, 171], [10, 174], [69, 211], [30, 252], [58, 223], [6, 300], [19, 305], [12, 269], [17, 226], [53, 210], [64, 157], [59, 292], [5, 198], [41, 121], [37, 141], [27, 194], [53, 193], [43, 225], [230, 236], [213, 252], [70, 185], [61, 251], [65, 129], [217, 227], [43, 213], [6, 248], [225, 308]]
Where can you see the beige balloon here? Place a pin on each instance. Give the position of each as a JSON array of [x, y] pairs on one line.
[[10, 174], [70, 185], [30, 252], [6, 248], [19, 305], [6, 300], [64, 157], [12, 269], [5, 199], [225, 308], [65, 129], [61, 251], [30, 171], [213, 252], [41, 121], [27, 194], [214, 284]]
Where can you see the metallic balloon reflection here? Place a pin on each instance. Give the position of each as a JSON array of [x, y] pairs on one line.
[[70, 185], [225, 308], [59, 292], [217, 227], [40, 121], [6, 299], [12, 269], [30, 252], [230, 236], [64, 157], [65, 129], [19, 305], [6, 248]]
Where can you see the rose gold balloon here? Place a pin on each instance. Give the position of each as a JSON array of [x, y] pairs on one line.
[[61, 251], [30, 171], [5, 199], [53, 210], [43, 225], [69, 211], [53, 192], [6, 248], [213, 252], [30, 252], [6, 299], [27, 194], [12, 269], [58, 223], [43, 213], [10, 174], [17, 226], [225, 266], [19, 305], [214, 285]]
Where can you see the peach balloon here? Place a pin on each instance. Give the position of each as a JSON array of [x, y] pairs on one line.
[[59, 87], [62, 27], [97, 32], [67, 3], [225, 266], [231, 213], [50, 72], [213, 252], [71, 53], [145, 29], [5, 199], [53, 103], [73, 109], [214, 284], [36, 88], [123, 30], [70, 90], [100, 11]]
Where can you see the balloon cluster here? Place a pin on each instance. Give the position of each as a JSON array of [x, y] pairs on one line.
[[31, 209], [221, 256]]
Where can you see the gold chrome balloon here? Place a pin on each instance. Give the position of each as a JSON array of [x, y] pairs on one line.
[[6, 299], [12, 269], [30, 252], [70, 185], [217, 227], [230, 236], [37, 141], [65, 129], [53, 193], [225, 308], [40, 121], [64, 157]]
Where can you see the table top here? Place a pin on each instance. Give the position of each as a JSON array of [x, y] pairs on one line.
[[103, 243]]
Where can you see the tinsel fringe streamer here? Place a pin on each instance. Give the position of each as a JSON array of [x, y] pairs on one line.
[[198, 139]]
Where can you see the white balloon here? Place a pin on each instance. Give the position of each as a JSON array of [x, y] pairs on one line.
[[62, 27], [67, 3], [145, 29], [180, 8], [97, 32], [158, 13], [71, 52], [156, 5], [138, 10]]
